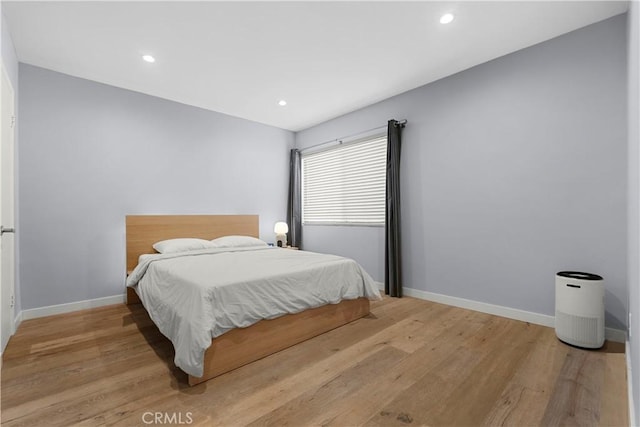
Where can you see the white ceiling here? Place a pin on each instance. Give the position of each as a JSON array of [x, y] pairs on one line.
[[324, 58]]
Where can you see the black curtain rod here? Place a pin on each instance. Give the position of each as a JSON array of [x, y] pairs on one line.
[[398, 123]]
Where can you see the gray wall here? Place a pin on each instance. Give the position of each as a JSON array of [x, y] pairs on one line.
[[633, 48], [10, 62], [511, 171], [91, 154]]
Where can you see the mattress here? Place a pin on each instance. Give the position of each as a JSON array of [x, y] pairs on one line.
[[198, 295]]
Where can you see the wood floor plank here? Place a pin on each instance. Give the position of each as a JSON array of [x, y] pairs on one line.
[[313, 402], [452, 393], [437, 347], [44, 383], [426, 394], [75, 357], [524, 399], [316, 374], [410, 362], [576, 397], [473, 399], [612, 412], [66, 407]]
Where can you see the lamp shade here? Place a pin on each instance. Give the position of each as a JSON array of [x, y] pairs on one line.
[[281, 228]]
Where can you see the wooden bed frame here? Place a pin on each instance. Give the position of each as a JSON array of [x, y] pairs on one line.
[[243, 345]]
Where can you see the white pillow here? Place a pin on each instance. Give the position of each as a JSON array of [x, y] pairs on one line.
[[181, 245], [237, 242]]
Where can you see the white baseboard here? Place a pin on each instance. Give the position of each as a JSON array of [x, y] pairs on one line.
[[615, 335], [483, 307], [632, 409], [498, 310], [34, 313]]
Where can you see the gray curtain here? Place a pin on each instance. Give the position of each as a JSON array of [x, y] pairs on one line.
[[393, 254], [294, 205]]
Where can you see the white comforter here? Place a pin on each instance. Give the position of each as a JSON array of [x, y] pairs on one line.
[[198, 295]]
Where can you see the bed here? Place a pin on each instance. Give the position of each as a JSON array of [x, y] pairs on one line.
[[233, 347]]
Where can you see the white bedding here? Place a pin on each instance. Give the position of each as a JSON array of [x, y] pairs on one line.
[[195, 296]]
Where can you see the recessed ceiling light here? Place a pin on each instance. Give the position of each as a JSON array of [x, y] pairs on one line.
[[148, 58], [446, 18], [282, 103]]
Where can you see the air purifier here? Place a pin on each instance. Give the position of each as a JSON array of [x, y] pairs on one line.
[[580, 309]]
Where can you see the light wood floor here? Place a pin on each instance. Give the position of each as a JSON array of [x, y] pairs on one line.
[[411, 362]]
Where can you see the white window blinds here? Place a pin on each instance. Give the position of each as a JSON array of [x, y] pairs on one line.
[[345, 185]]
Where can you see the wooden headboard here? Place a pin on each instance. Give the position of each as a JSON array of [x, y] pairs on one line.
[[142, 231]]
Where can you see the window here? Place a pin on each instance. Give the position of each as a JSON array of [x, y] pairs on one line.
[[345, 185]]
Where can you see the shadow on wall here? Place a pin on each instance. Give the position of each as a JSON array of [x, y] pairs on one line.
[[613, 303]]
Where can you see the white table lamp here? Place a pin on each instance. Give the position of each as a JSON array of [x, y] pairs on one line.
[[281, 229]]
